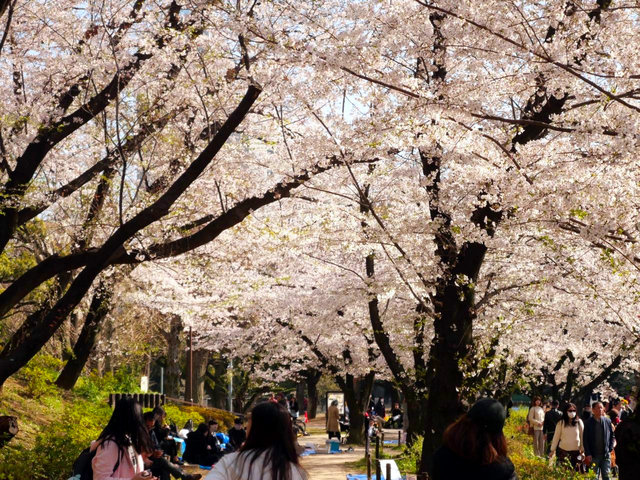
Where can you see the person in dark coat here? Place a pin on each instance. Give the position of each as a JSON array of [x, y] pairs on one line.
[[380, 411], [237, 433], [599, 441], [198, 450], [551, 418], [474, 447], [160, 466], [628, 448]]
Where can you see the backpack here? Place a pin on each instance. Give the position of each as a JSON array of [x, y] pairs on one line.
[[82, 468]]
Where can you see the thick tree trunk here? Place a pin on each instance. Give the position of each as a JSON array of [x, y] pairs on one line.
[[313, 377], [200, 362], [98, 311], [455, 299], [300, 395], [357, 393], [173, 374]]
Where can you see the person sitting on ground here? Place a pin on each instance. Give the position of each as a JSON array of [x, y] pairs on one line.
[[474, 447], [164, 437], [333, 420], [213, 439], [568, 438], [121, 445], [269, 452], [396, 416], [237, 433], [198, 450], [160, 466]]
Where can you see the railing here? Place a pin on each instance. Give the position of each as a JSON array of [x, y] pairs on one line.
[[147, 400]]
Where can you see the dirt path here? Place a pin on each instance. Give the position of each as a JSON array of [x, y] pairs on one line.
[[328, 467]]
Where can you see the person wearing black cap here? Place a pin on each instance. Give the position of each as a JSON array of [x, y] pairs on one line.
[[474, 447]]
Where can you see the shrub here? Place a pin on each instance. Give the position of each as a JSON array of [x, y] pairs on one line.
[[40, 374], [225, 419], [180, 417], [97, 388], [55, 450]]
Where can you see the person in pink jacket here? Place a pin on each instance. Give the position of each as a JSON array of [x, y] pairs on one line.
[[121, 445]]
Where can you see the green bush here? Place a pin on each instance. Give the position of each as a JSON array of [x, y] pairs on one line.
[[55, 450], [40, 374], [97, 388], [225, 419], [180, 417]]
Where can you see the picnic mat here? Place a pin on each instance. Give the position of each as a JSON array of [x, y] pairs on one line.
[[391, 442]]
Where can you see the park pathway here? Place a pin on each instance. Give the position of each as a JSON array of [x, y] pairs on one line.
[[328, 467]]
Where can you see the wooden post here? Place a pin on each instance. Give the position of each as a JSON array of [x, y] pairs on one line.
[[367, 452], [387, 475], [381, 442], [399, 437], [378, 448], [378, 470]]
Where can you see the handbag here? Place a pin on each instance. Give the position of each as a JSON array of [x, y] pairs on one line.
[[530, 431]]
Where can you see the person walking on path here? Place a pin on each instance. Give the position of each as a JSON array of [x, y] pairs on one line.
[[269, 453], [568, 439], [599, 441], [536, 421], [474, 447], [333, 421], [551, 419]]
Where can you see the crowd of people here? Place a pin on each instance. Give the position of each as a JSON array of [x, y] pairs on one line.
[[601, 437]]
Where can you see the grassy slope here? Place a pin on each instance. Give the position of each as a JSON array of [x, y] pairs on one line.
[[34, 415]]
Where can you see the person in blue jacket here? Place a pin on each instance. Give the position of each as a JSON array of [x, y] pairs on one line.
[[599, 441]]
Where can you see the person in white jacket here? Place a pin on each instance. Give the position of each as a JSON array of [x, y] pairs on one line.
[[268, 453], [568, 437], [536, 420]]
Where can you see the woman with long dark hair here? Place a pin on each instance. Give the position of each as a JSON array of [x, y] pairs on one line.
[[568, 437], [535, 418], [120, 446], [474, 447], [268, 453], [198, 450]]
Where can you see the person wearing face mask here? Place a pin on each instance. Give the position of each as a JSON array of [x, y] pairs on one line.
[[568, 439]]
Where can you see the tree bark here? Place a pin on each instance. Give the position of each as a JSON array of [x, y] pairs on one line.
[[98, 311], [357, 393], [173, 374], [454, 310], [312, 377], [200, 363]]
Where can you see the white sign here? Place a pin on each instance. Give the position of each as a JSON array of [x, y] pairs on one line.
[[144, 384], [339, 396]]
